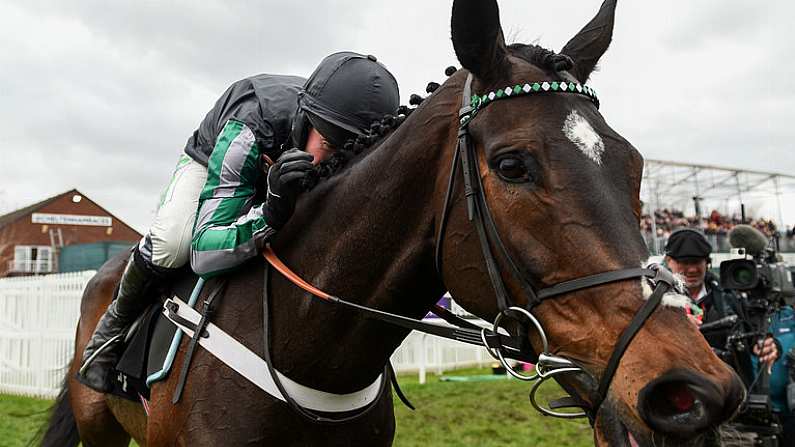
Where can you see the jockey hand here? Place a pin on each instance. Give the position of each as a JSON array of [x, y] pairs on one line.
[[284, 186], [767, 351]]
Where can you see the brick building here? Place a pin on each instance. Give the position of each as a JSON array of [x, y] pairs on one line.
[[32, 237]]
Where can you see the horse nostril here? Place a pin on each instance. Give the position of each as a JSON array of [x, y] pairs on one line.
[[672, 403], [681, 397], [681, 404]]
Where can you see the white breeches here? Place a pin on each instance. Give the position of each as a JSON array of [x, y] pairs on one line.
[[167, 243]]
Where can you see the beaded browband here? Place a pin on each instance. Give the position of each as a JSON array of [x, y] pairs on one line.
[[479, 102]]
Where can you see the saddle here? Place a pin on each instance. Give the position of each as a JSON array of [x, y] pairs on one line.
[[152, 343], [145, 357]]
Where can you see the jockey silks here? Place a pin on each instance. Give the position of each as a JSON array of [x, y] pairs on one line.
[[266, 104]]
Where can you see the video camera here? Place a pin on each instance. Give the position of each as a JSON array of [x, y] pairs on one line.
[[757, 272], [763, 283]]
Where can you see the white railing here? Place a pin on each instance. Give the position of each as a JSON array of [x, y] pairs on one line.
[[421, 353], [38, 318], [17, 266]]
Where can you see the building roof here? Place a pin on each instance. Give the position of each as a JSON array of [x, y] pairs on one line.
[[13, 216], [670, 184]]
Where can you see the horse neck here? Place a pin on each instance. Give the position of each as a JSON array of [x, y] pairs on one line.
[[367, 236]]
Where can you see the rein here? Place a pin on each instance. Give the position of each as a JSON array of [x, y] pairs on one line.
[[499, 345], [469, 332]]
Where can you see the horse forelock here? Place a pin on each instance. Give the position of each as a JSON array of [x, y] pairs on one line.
[[534, 54]]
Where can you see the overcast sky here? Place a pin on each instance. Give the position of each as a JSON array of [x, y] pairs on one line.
[[101, 96]]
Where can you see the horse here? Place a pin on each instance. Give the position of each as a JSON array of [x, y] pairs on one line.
[[563, 189]]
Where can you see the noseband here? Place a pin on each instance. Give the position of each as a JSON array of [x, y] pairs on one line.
[[547, 364]]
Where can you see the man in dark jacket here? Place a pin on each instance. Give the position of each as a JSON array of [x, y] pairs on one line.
[[687, 253], [295, 121]]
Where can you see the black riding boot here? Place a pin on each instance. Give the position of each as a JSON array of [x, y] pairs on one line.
[[102, 351]]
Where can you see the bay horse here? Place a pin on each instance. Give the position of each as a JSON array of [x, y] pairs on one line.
[[563, 188]]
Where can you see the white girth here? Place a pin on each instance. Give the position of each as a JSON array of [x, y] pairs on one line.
[[248, 364]]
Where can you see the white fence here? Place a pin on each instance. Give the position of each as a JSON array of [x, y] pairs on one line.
[[38, 317], [421, 353]]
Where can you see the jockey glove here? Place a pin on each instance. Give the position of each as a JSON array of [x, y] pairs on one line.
[[284, 185]]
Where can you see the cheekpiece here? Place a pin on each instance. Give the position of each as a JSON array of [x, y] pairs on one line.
[[480, 101]]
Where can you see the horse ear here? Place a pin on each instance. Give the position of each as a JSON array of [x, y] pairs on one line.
[[477, 38], [592, 41]]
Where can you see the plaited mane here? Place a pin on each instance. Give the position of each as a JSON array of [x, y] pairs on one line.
[[378, 132], [534, 54]]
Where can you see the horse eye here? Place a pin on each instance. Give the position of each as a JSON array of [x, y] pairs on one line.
[[512, 169]]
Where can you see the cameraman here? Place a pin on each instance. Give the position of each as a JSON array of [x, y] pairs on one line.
[[687, 253]]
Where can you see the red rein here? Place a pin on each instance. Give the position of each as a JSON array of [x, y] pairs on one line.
[[277, 263]]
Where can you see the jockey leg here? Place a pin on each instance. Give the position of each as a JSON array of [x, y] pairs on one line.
[[99, 357], [164, 250]]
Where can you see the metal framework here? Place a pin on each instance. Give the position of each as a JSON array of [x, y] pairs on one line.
[[696, 189]]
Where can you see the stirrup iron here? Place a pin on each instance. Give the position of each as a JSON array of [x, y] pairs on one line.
[[99, 351]]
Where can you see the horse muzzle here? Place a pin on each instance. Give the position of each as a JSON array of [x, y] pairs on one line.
[[682, 404]]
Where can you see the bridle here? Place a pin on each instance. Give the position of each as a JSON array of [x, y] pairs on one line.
[[500, 345], [548, 365]]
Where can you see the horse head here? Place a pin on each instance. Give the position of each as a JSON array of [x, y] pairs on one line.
[[563, 192]]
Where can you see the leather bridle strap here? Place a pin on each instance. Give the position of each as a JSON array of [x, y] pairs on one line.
[[593, 281], [470, 333], [475, 210], [664, 282], [478, 212], [445, 213]]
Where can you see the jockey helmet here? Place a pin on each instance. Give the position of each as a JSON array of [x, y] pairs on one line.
[[346, 93]]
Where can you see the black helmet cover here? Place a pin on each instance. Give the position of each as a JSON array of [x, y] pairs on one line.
[[345, 94]]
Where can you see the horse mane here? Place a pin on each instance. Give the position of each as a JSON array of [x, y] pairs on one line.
[[378, 133], [353, 147], [380, 129]]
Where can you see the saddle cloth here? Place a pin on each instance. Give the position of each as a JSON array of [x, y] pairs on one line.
[[145, 354], [152, 345]]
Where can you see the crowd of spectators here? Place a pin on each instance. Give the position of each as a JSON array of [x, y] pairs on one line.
[[668, 220]]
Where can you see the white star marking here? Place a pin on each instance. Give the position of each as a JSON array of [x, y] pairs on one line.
[[579, 131]]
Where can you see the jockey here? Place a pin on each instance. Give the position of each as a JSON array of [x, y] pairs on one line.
[[264, 115]]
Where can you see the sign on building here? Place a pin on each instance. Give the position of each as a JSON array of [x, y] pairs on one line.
[[71, 219]]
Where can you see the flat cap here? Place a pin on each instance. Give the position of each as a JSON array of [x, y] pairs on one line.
[[688, 244]]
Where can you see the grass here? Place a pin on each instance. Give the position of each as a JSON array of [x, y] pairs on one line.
[[494, 413], [20, 418], [449, 414]]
